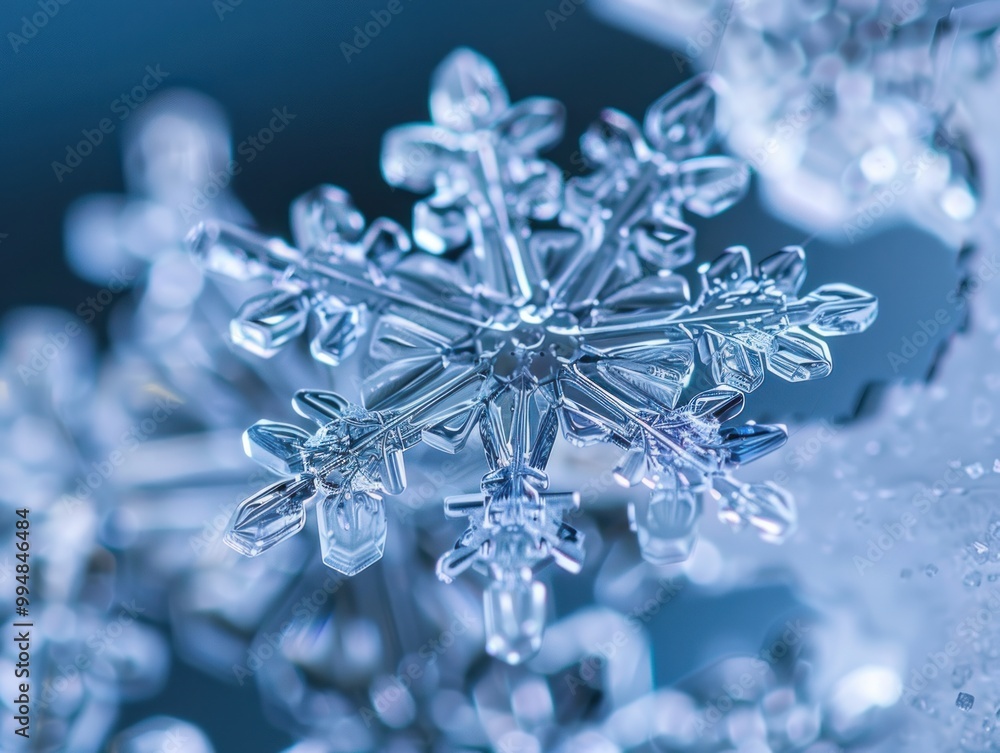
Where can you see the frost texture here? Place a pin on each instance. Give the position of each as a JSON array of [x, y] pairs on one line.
[[529, 309], [900, 535], [850, 112]]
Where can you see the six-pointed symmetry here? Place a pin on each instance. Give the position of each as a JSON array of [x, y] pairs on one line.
[[528, 307]]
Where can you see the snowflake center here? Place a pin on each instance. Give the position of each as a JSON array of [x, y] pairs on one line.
[[535, 343]]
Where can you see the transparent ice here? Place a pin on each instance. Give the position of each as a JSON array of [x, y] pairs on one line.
[[160, 734], [170, 499], [163, 512], [522, 309]]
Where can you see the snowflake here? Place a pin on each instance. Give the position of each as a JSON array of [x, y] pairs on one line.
[[532, 308]]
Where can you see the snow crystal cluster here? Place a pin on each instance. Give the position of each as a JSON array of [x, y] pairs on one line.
[[851, 112]]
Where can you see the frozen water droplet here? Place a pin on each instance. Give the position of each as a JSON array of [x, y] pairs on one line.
[[964, 701], [973, 579], [515, 619], [666, 524], [352, 529], [931, 570]]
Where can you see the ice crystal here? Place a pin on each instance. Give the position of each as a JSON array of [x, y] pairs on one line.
[[849, 111], [90, 650], [529, 309], [180, 481], [915, 510]]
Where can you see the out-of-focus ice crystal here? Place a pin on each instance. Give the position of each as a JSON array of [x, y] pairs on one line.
[[161, 734], [342, 676], [899, 532], [180, 477], [530, 309], [89, 648], [850, 111]]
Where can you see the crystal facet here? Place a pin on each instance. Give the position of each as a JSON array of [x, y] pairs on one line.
[[496, 326]]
